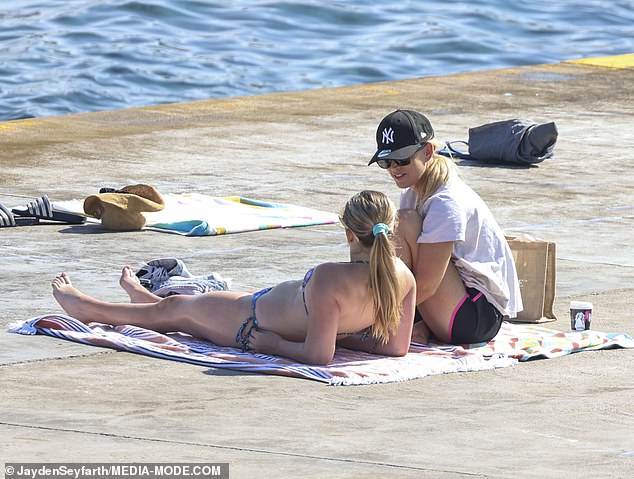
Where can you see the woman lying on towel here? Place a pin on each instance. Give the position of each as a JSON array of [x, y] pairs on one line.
[[365, 304]]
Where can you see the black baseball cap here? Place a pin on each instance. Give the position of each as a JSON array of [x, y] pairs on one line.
[[400, 134]]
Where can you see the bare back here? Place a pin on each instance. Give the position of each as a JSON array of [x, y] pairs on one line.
[[336, 297]]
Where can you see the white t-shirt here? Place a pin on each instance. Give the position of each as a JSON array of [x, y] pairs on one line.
[[481, 254]]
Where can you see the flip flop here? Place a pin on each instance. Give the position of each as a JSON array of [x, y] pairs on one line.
[[41, 208], [8, 219]]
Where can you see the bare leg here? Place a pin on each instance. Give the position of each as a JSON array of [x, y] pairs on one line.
[[87, 309], [214, 316], [438, 309], [131, 285]]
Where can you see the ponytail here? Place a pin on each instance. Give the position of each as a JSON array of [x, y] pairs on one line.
[[370, 215], [384, 288]]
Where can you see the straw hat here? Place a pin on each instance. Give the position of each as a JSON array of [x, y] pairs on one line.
[[122, 210]]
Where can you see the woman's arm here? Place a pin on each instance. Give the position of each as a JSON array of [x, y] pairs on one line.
[[398, 343], [369, 344], [268, 342]]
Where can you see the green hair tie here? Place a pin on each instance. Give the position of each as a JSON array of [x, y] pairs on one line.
[[379, 228]]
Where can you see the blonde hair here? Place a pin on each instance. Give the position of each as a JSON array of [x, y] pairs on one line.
[[438, 171], [361, 213]]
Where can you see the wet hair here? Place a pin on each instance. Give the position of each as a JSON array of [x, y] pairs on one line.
[[361, 213], [438, 171]]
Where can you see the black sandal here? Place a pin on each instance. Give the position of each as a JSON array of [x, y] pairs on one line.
[[41, 208], [8, 219]]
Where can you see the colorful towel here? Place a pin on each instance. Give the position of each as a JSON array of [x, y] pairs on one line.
[[193, 214], [348, 367], [530, 341]]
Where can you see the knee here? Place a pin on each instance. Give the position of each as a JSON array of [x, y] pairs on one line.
[[409, 225], [171, 306]]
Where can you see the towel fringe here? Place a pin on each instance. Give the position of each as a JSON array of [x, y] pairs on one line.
[[23, 327]]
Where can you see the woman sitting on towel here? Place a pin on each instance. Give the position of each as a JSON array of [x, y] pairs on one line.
[[365, 304], [465, 274]]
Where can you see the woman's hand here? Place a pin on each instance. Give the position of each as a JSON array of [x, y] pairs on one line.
[[266, 342]]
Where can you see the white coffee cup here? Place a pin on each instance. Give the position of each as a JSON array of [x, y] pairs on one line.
[[580, 315]]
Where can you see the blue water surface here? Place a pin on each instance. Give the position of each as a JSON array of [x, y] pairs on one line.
[[69, 56]]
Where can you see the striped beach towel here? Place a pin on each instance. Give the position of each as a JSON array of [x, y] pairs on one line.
[[194, 214], [348, 367]]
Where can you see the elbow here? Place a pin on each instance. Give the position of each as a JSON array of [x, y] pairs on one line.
[[403, 351], [396, 350], [319, 361], [400, 351], [319, 358]]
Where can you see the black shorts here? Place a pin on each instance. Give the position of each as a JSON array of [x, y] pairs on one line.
[[474, 320]]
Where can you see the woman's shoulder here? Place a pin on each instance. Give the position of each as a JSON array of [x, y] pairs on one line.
[[404, 273], [333, 271], [458, 187], [455, 194], [345, 271], [338, 280]]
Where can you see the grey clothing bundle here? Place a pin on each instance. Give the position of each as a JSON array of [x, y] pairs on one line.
[[168, 276]]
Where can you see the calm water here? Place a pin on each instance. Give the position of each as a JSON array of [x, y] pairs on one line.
[[68, 56]]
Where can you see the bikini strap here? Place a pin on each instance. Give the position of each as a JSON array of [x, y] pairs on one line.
[[307, 276]]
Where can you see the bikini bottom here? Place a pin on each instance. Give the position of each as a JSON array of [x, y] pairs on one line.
[[249, 324]]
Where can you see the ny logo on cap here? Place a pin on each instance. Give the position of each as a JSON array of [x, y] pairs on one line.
[[388, 136]]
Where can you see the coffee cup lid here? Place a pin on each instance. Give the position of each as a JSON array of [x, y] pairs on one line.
[[580, 305]]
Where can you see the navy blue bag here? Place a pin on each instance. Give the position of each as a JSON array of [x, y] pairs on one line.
[[515, 142]]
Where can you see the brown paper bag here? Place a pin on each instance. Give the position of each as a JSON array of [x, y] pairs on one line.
[[535, 261]]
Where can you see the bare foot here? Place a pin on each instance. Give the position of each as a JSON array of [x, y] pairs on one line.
[[68, 297], [131, 285], [420, 333]]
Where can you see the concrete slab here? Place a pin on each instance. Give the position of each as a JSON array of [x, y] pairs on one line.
[[571, 416]]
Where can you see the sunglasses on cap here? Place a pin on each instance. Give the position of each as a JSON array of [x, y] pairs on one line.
[[387, 162]]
